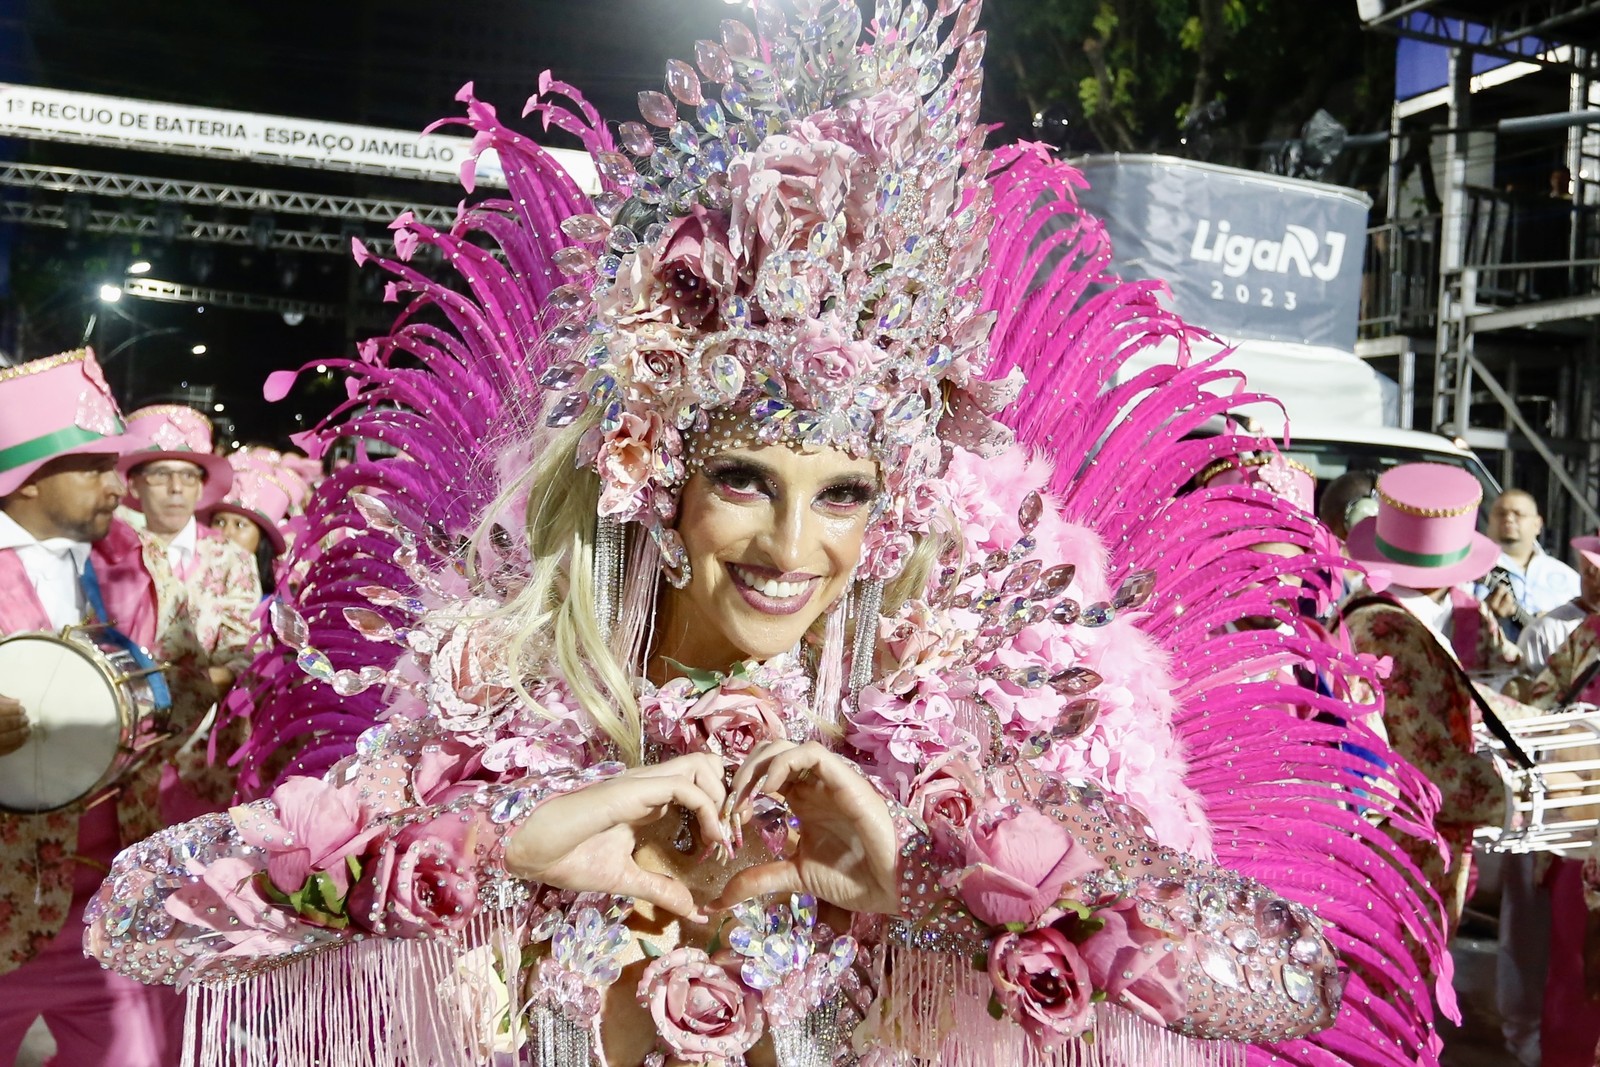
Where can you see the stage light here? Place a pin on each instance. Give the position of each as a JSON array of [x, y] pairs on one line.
[[198, 350], [219, 408], [139, 266], [110, 294]]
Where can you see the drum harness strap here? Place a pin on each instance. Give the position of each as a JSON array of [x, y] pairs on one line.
[[160, 696], [1490, 718]]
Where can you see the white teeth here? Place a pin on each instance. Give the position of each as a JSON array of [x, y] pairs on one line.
[[772, 588]]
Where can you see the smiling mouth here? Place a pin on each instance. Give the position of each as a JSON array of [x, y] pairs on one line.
[[771, 593]]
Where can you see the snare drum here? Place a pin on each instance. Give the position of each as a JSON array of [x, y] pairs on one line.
[[1554, 805], [91, 714]]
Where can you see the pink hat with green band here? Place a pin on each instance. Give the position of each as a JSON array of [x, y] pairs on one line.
[[52, 407], [1425, 534], [176, 431]]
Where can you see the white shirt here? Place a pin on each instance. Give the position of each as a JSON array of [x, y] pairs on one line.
[[53, 567], [1548, 633], [1545, 584], [1436, 616], [181, 549]]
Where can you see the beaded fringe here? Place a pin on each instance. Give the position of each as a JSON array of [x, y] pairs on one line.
[[373, 1003], [935, 1009]]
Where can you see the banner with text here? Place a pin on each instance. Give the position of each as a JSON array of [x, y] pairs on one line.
[[116, 122], [1246, 255]]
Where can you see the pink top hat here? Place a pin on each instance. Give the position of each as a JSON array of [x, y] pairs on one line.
[[257, 496], [1589, 548], [58, 406], [175, 431], [1279, 475], [1425, 534]]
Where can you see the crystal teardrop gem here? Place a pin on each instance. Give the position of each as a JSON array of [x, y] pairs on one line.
[[622, 239], [380, 595], [615, 167], [567, 409], [314, 663], [348, 683], [566, 335], [736, 99], [1135, 590], [911, 406], [712, 59], [940, 357], [727, 374], [1055, 581], [736, 312], [1065, 613], [571, 298], [1076, 719], [891, 189], [369, 624], [711, 119], [1099, 613], [1075, 681], [683, 82], [289, 625], [636, 138], [737, 39], [585, 227], [376, 513], [1022, 577], [895, 310], [657, 108], [371, 675], [684, 138], [574, 261], [1028, 513]]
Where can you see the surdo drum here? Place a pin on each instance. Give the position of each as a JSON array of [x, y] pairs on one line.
[[91, 712]]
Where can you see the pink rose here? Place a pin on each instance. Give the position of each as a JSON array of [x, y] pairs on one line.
[[730, 720], [942, 797], [627, 461], [636, 295], [883, 125], [702, 1012], [467, 682], [228, 900], [1137, 965], [826, 358], [907, 729], [446, 770], [1042, 982], [423, 880], [695, 265], [784, 189], [1018, 861], [914, 643], [314, 827]]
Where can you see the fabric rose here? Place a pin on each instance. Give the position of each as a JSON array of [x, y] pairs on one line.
[[1018, 860], [446, 770], [942, 796], [227, 899], [905, 731], [1042, 982], [315, 827], [424, 880], [467, 682], [1136, 965], [826, 358], [884, 125], [696, 265], [701, 1012], [730, 720], [786, 187], [636, 295], [627, 460], [914, 643]]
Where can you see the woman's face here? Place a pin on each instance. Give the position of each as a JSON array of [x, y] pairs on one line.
[[773, 536], [238, 529]]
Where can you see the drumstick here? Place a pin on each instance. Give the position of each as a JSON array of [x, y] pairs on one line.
[[1585, 676]]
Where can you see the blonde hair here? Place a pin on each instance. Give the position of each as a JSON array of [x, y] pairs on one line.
[[553, 619]]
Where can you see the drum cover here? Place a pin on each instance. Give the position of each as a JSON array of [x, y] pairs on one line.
[[77, 726]]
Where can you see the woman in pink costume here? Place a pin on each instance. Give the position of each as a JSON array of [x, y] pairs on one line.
[[733, 668]]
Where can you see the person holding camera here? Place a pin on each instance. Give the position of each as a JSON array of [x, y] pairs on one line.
[[1526, 582]]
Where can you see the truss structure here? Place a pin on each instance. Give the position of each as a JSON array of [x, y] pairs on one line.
[[1516, 30], [177, 293]]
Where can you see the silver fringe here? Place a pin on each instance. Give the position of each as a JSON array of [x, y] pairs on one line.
[[868, 606], [558, 1041], [813, 1041], [608, 566]]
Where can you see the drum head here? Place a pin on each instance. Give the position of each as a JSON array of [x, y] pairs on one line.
[[76, 721]]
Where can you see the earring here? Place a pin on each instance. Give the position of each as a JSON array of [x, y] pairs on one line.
[[607, 574], [869, 603], [674, 559]]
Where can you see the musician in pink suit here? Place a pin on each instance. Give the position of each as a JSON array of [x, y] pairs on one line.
[[172, 473], [60, 436]]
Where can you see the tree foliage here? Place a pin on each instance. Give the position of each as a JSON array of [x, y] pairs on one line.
[[1131, 72]]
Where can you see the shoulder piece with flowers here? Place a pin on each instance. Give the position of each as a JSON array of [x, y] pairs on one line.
[[1124, 837]]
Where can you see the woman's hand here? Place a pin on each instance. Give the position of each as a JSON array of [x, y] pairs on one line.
[[847, 848], [584, 841]]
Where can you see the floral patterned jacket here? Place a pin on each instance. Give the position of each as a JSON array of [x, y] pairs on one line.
[[38, 852]]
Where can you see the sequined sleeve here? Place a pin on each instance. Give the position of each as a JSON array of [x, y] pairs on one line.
[[187, 904], [1254, 967]]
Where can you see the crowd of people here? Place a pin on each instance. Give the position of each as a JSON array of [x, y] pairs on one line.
[[140, 528], [768, 634]]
